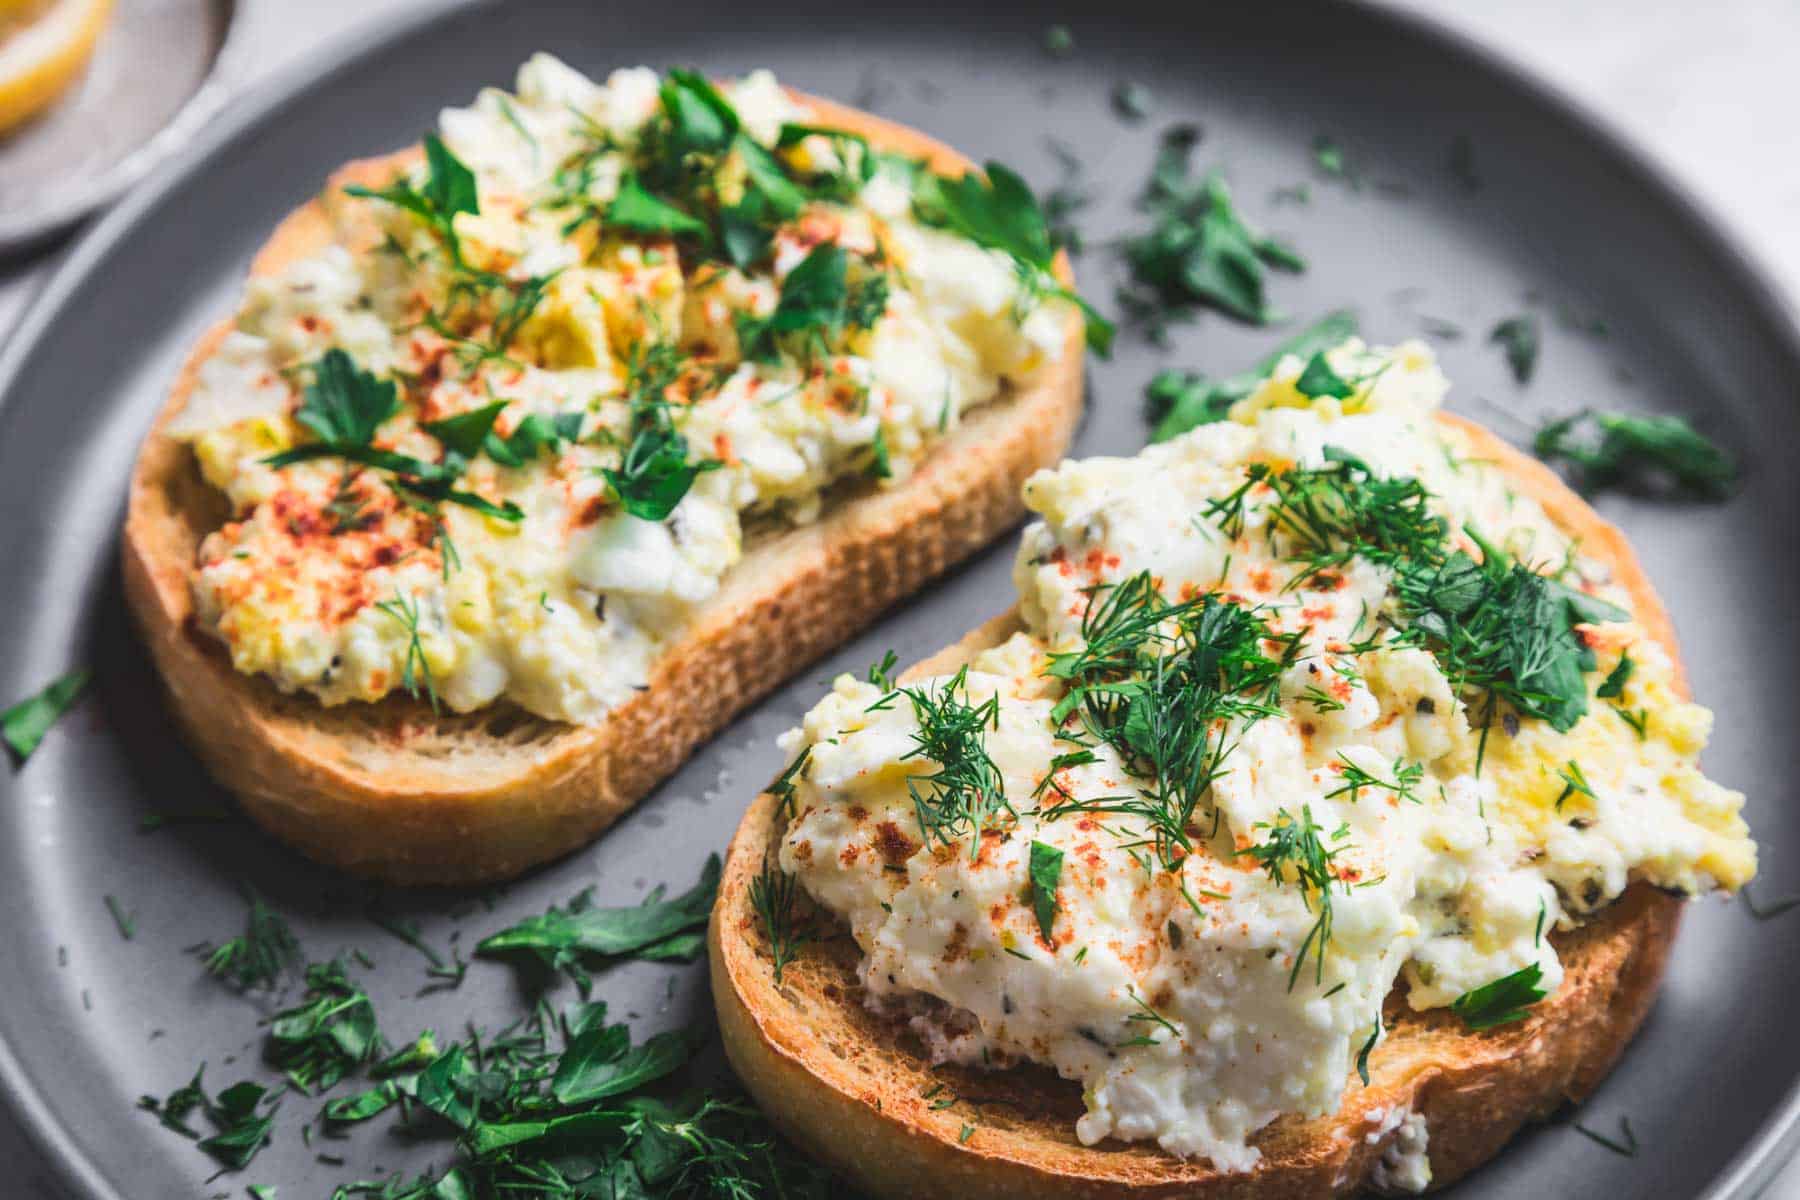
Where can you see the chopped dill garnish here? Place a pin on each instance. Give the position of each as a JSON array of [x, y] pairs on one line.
[[1405, 777], [417, 670], [1161, 683], [260, 955], [1573, 781], [1301, 848], [966, 792], [775, 898]]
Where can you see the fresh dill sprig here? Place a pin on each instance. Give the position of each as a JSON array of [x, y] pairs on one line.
[[1149, 1016], [1404, 777], [1573, 782], [1162, 683], [1502, 1001], [1300, 848], [966, 793], [416, 672], [260, 955], [775, 898]]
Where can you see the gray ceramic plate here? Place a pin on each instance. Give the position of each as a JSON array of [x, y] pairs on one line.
[[1564, 221]]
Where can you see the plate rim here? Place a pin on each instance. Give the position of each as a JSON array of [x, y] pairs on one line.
[[1769, 1147], [224, 74]]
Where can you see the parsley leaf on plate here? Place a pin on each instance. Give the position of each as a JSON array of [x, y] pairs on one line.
[[1199, 250], [240, 1130], [1611, 449], [1519, 339], [23, 726], [563, 937], [330, 1033]]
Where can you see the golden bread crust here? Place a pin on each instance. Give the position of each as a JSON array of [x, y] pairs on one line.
[[393, 791]]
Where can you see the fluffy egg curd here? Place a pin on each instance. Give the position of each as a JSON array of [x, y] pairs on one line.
[[1307, 703], [502, 435]]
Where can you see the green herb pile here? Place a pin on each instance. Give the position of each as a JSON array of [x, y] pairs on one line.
[[560, 1104]]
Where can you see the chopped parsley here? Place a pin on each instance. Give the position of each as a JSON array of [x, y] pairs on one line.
[[1610, 449], [1182, 400], [1625, 1145], [328, 1035], [565, 939], [23, 726], [1132, 101], [1519, 339], [1059, 42], [1318, 378], [996, 210], [654, 473], [125, 922], [1328, 156], [344, 406], [1044, 870], [1503, 1001], [449, 191], [1198, 251], [1613, 686], [241, 1130]]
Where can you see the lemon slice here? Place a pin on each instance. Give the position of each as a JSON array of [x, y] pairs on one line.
[[40, 59]]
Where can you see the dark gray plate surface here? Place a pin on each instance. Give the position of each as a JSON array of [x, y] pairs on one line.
[[1564, 220]]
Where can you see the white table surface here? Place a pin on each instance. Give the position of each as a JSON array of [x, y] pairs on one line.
[[1704, 88]]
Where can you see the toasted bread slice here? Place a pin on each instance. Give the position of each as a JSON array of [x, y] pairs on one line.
[[393, 791], [861, 1094]]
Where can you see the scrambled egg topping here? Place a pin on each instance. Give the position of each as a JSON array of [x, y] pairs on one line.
[[547, 291], [1368, 819]]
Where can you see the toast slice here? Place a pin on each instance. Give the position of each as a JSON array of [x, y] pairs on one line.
[[861, 1094], [396, 792]]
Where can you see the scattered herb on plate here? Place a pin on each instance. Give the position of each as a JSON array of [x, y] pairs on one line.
[[1132, 101], [568, 938], [1613, 449], [24, 725], [1198, 250], [1519, 339]]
